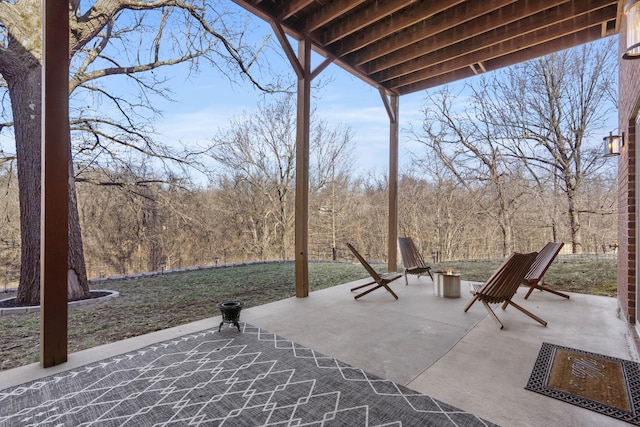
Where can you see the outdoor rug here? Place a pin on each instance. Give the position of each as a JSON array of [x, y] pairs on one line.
[[593, 381], [227, 378]]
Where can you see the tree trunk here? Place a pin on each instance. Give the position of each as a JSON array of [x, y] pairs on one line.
[[77, 283], [25, 92], [25, 89], [574, 223], [507, 232]]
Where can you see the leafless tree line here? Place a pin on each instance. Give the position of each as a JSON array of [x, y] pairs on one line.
[[136, 219], [507, 165]]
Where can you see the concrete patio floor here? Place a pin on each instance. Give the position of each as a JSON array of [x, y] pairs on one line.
[[428, 344]]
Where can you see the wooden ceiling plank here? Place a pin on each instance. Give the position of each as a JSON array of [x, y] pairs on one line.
[[532, 52], [290, 8], [486, 56], [351, 31], [571, 40], [471, 30], [514, 36], [463, 15], [374, 12], [407, 17], [439, 80], [329, 13], [491, 53]]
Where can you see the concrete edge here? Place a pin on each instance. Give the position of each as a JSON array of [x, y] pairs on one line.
[[22, 374], [90, 302]]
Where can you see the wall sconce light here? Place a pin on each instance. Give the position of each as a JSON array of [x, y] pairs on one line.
[[632, 11], [613, 144]]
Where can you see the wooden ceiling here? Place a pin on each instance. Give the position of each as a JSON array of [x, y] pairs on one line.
[[404, 46]]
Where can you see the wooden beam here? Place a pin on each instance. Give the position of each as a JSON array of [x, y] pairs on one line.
[[302, 171], [415, 14], [286, 46], [405, 45], [330, 12], [324, 64], [365, 17], [54, 238], [387, 104], [438, 80], [380, 41], [457, 59], [292, 7], [392, 242], [428, 54], [554, 45]]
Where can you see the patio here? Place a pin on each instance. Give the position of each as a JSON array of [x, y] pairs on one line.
[[426, 343]]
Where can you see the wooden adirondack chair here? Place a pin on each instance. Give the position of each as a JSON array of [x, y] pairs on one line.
[[535, 276], [503, 284], [379, 280], [412, 260]]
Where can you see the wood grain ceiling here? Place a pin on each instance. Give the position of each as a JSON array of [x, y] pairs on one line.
[[404, 46]]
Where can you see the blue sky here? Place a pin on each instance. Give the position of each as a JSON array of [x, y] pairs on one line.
[[206, 104], [208, 101]]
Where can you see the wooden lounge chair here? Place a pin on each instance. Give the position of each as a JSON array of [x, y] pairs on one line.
[[379, 280], [535, 276], [412, 260], [503, 284]]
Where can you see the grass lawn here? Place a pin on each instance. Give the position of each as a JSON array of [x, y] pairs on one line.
[[159, 302], [583, 274]]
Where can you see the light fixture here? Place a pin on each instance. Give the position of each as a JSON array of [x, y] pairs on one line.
[[632, 11], [613, 144]]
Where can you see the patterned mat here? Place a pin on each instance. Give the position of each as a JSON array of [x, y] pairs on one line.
[[226, 378], [593, 381]]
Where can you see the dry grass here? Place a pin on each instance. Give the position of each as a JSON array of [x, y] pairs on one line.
[[159, 302], [585, 274]]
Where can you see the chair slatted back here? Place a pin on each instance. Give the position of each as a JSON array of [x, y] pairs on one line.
[[374, 274], [504, 283], [411, 257], [543, 262]]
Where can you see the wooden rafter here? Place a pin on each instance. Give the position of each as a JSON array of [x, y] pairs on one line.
[[403, 46], [500, 42], [441, 36]]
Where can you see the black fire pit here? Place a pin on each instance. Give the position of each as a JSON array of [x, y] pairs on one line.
[[230, 313]]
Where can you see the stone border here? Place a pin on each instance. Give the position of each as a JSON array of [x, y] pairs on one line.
[[80, 303]]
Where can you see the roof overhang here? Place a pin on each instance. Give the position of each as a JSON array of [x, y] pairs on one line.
[[404, 46]]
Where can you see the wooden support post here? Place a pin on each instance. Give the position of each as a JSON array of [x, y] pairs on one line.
[[55, 183], [302, 170], [302, 66], [391, 103]]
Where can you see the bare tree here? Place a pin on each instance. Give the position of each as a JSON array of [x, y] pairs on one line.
[[128, 38], [260, 149], [257, 158], [548, 111], [330, 177], [467, 147]]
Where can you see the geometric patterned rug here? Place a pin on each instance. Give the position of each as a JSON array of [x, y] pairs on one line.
[[604, 384], [225, 378]]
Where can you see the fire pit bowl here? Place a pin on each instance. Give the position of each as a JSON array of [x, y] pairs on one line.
[[230, 313]]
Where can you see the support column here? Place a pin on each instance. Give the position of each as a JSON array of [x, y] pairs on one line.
[[392, 105], [54, 240], [302, 170], [302, 66]]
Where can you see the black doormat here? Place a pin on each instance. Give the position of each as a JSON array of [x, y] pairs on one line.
[[603, 384], [227, 378]]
